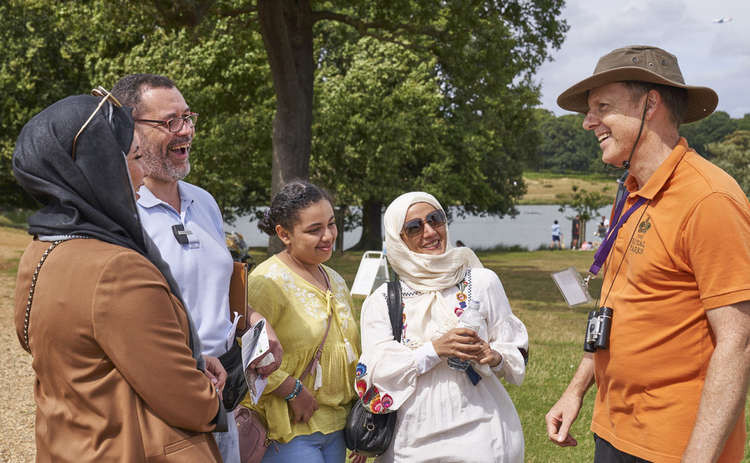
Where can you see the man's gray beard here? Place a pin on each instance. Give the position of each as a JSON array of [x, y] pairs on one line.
[[175, 173], [162, 170]]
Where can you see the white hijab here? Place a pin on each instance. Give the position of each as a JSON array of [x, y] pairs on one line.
[[429, 314], [423, 272]]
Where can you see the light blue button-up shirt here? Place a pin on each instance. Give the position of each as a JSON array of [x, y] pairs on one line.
[[203, 266]]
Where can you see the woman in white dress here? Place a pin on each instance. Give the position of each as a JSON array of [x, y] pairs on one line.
[[444, 414]]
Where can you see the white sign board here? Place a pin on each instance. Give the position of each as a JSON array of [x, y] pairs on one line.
[[372, 267]]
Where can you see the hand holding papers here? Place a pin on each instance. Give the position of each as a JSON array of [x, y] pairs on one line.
[[254, 346]]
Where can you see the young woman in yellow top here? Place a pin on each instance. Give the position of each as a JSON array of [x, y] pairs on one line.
[[297, 295]]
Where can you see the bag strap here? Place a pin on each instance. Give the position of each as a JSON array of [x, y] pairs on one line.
[[319, 352], [32, 288], [395, 308]]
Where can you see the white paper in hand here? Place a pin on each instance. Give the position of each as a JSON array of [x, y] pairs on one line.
[[255, 345]]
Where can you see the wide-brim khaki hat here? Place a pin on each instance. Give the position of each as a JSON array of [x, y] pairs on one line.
[[645, 64]]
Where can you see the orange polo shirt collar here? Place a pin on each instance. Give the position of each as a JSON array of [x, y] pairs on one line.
[[655, 184]]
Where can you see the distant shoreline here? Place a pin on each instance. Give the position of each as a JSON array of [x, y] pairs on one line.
[[553, 189]]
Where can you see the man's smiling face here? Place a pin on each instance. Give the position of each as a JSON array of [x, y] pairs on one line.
[[614, 118], [166, 154]]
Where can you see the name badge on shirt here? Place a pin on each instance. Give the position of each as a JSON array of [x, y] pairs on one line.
[[185, 237]]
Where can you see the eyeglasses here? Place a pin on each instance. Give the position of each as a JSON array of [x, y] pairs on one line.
[[101, 92], [175, 124], [415, 227]]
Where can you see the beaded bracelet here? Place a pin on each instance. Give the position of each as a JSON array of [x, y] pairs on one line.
[[295, 392]]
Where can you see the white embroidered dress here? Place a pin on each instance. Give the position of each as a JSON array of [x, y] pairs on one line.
[[442, 416]]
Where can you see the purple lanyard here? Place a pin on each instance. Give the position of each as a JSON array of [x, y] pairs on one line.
[[606, 246]]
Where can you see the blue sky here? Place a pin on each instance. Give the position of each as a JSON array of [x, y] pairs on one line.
[[710, 54]]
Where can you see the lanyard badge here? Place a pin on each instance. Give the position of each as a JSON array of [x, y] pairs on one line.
[[572, 286]]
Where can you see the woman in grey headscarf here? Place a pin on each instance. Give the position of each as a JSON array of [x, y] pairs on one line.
[[444, 414], [118, 370]]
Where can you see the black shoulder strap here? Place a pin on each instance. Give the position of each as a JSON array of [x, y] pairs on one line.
[[395, 309]]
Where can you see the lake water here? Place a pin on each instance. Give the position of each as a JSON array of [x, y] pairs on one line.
[[531, 228]]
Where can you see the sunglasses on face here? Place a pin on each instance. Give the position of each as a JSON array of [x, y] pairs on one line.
[[415, 227]]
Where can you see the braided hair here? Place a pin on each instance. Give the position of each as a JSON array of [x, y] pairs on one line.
[[287, 204]]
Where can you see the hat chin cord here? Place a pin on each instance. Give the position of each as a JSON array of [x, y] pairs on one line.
[[626, 164]]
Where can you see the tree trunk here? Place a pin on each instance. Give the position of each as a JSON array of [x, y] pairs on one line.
[[583, 232], [340, 214], [582, 239], [286, 27], [372, 219]]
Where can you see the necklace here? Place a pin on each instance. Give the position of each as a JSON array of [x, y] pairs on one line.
[[317, 278]]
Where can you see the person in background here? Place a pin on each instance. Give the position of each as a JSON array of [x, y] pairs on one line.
[[601, 230], [119, 371], [310, 305], [673, 380], [459, 244], [444, 414], [556, 243], [185, 223], [575, 232]]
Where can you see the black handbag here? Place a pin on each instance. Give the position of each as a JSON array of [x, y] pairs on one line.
[[235, 387], [370, 434]]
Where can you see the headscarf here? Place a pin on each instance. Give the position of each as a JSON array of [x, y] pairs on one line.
[[423, 272], [92, 195], [430, 317]]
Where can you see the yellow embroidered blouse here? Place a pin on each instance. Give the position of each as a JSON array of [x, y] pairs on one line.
[[298, 312]]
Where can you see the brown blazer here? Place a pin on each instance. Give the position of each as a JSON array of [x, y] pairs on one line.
[[115, 378]]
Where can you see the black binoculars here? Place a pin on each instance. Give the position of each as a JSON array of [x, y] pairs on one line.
[[598, 327]]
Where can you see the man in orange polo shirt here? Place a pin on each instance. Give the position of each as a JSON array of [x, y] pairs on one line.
[[671, 384]]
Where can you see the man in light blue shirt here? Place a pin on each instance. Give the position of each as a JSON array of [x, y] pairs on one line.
[[184, 220], [191, 240]]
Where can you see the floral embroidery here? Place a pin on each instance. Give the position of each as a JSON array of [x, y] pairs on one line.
[[373, 391], [314, 306], [463, 294], [340, 293], [374, 402], [361, 387], [361, 370]]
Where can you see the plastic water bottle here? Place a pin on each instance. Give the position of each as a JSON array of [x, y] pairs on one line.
[[471, 318]]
